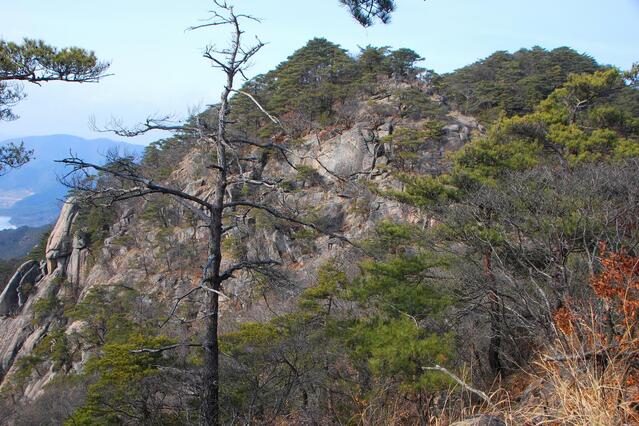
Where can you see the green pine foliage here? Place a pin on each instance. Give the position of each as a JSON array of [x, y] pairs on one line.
[[36, 62], [120, 395], [403, 285], [53, 351], [398, 349], [47, 306], [124, 387], [517, 218], [583, 121], [512, 83], [95, 222], [400, 335], [348, 336], [579, 122], [523, 206], [106, 315], [312, 80], [307, 89], [406, 145], [160, 157], [367, 11], [275, 360], [38, 253]]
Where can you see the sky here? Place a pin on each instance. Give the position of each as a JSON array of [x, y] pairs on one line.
[[158, 68]]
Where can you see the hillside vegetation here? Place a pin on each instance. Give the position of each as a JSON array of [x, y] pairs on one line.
[[473, 252]]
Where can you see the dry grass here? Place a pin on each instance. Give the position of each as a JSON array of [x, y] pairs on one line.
[[590, 375], [581, 386]]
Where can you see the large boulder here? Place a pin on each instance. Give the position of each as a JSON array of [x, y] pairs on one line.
[[60, 243], [345, 154]]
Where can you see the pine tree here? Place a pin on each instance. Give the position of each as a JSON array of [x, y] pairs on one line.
[[36, 62]]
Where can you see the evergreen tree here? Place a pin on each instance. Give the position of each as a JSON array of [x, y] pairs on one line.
[[402, 64], [36, 62], [512, 83], [578, 122], [312, 80], [366, 11], [498, 201], [308, 89]]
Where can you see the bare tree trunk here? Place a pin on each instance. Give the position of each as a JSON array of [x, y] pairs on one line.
[[211, 376], [495, 317], [211, 366], [495, 336], [232, 61]]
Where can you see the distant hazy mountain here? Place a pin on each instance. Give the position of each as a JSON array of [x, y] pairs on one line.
[[17, 243], [31, 195]]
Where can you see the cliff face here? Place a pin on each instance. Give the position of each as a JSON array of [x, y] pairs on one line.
[[162, 262], [34, 281]]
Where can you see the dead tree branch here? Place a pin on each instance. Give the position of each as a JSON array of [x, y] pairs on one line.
[[463, 384]]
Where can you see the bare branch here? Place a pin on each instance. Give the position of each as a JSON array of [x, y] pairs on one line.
[[249, 264], [153, 187], [463, 384], [164, 123], [252, 98], [165, 348], [281, 215], [178, 300], [218, 292]]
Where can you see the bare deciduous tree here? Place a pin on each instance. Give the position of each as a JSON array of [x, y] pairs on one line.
[[236, 167]]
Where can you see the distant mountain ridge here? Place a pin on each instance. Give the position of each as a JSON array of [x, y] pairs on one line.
[[17, 243], [39, 177]]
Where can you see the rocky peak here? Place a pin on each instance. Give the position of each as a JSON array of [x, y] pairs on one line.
[[137, 251], [60, 243]]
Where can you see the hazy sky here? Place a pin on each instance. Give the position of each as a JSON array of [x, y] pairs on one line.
[[158, 68]]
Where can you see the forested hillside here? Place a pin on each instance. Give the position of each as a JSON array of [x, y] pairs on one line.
[[398, 247], [16, 243], [512, 83]]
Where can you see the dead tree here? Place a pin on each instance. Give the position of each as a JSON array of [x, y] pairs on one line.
[[234, 166]]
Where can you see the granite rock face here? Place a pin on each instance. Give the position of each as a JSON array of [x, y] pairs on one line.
[[60, 243], [162, 262], [31, 282], [19, 334], [17, 290]]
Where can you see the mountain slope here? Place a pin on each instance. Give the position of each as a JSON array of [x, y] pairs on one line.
[[461, 252]]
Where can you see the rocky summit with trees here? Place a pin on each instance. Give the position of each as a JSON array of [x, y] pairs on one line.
[[349, 238]]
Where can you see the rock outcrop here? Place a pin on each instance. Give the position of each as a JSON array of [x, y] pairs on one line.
[[20, 285], [161, 262], [60, 243], [34, 281]]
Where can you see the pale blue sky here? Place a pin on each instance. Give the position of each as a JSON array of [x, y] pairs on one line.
[[158, 67]]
